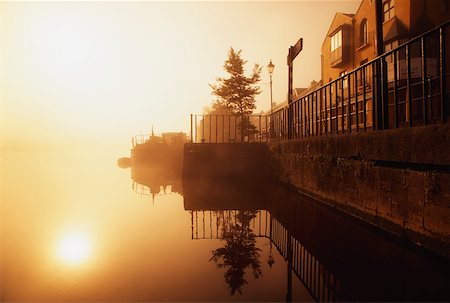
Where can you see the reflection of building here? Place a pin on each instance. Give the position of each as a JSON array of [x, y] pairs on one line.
[[351, 38], [153, 180]]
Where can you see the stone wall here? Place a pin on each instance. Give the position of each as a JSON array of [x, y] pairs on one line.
[[398, 180], [225, 160]]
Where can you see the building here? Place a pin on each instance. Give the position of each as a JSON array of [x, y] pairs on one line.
[[351, 38]]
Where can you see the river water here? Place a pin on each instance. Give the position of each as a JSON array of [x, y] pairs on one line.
[[76, 227]]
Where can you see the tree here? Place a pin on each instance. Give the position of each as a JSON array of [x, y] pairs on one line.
[[236, 93], [239, 252]]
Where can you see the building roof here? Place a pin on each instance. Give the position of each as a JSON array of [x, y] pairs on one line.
[[394, 29], [331, 28]]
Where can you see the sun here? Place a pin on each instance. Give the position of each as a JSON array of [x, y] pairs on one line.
[[74, 248]]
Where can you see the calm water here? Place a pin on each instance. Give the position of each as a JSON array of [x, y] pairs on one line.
[[77, 227]]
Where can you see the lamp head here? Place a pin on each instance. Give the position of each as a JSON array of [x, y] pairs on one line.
[[270, 67]]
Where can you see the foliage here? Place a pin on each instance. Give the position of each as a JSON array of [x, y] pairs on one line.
[[238, 253], [237, 93]]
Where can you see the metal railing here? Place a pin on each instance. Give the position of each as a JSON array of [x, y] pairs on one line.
[[229, 128], [139, 139], [405, 87]]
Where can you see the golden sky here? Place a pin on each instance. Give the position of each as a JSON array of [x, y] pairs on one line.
[[79, 73]]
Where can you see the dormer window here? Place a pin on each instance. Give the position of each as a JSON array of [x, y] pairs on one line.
[[388, 10], [336, 41], [339, 47]]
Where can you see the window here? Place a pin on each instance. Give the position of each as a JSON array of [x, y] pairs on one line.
[[390, 46], [363, 33], [344, 79], [336, 41], [388, 10]]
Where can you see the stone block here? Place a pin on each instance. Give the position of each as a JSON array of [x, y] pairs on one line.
[[436, 219], [383, 188], [367, 196], [437, 188], [399, 204]]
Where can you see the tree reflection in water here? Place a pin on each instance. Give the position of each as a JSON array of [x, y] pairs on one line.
[[239, 252]]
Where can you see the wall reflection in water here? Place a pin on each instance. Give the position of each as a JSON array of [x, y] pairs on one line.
[[153, 180], [335, 258]]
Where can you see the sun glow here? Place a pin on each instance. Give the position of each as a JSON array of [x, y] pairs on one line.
[[74, 248]]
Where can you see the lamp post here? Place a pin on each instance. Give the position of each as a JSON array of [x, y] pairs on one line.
[[270, 68]]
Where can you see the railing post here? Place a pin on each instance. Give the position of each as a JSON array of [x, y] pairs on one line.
[[192, 137], [384, 93], [442, 61], [203, 128], [395, 56], [364, 98], [342, 104], [355, 89], [379, 93], [336, 106], [424, 82], [408, 86], [349, 107]]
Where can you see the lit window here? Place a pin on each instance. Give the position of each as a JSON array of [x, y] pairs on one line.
[[388, 10], [336, 41], [364, 38], [344, 78]]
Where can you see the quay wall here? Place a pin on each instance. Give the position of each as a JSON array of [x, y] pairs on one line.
[[225, 160], [397, 180]]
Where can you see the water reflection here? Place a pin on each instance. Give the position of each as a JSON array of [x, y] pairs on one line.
[[239, 251], [334, 258], [73, 230], [156, 179], [74, 247]]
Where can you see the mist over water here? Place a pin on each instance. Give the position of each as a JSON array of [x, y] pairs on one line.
[[77, 227]]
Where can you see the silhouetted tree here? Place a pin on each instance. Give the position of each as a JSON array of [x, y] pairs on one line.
[[237, 93], [239, 252]]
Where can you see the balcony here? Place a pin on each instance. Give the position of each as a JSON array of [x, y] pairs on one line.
[[336, 57]]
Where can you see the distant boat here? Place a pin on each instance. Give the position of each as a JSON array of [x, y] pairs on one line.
[[124, 162]]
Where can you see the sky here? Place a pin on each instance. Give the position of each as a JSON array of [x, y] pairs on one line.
[[85, 73]]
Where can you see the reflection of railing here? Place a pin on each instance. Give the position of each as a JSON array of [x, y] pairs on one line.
[[229, 128], [322, 285], [144, 190], [208, 224]]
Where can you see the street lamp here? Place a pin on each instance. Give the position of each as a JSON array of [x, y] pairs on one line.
[[270, 68]]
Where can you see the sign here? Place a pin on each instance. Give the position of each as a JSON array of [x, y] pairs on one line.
[[295, 50]]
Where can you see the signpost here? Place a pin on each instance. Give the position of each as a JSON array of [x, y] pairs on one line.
[[293, 52]]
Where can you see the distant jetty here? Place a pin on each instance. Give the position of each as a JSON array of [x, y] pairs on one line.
[[164, 150]]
